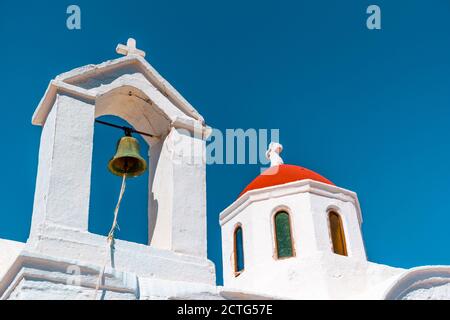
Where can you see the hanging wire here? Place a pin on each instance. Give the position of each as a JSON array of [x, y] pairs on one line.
[[110, 238]]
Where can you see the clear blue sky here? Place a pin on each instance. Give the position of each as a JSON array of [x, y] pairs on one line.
[[370, 110]]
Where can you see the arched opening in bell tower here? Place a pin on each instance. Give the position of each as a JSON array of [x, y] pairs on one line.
[[130, 107], [105, 187]]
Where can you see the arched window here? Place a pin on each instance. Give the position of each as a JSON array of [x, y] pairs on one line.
[[337, 233], [238, 251], [283, 237]]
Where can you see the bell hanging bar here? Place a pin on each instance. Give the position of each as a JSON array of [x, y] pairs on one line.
[[127, 130]]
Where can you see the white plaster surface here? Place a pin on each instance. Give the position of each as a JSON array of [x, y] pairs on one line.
[[9, 251], [423, 283], [436, 292]]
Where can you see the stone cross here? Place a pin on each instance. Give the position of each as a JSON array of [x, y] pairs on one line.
[[273, 154], [130, 49]]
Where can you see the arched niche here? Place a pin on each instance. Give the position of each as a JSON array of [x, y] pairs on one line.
[[173, 180], [135, 107], [132, 105], [133, 213]]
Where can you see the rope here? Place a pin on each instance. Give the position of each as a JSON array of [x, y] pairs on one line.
[[110, 238]]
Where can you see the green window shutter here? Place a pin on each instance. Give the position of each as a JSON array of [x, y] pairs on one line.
[[283, 235]]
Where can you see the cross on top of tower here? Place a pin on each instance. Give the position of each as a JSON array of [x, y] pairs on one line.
[[129, 49], [273, 154]]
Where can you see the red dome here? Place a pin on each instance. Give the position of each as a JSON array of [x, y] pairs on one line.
[[282, 174]]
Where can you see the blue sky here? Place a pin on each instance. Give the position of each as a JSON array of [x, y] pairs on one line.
[[370, 110]]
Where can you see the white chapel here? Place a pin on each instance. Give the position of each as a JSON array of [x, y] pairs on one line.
[[291, 233]]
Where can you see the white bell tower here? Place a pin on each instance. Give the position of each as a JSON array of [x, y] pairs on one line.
[[130, 88]]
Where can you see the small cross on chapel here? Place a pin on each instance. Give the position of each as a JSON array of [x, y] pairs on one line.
[[129, 49]]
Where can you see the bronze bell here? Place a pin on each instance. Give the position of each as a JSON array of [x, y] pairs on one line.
[[127, 159]]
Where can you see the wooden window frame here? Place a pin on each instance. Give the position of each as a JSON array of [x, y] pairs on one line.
[[342, 230]]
